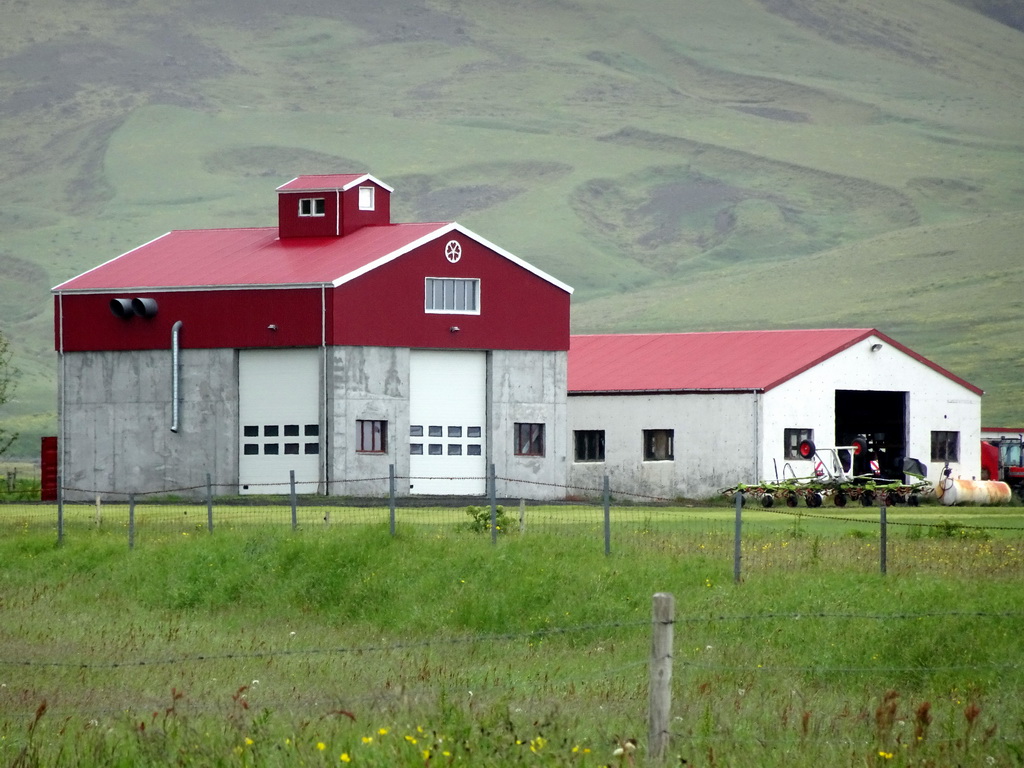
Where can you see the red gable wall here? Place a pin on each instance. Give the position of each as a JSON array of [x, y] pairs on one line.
[[518, 309]]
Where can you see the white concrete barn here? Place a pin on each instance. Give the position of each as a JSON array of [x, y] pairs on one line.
[[685, 415]]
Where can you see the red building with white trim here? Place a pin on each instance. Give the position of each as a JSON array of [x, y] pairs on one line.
[[331, 345]]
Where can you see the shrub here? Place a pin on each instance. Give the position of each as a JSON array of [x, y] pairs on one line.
[[481, 519]]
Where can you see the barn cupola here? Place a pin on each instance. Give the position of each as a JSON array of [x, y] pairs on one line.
[[332, 205]]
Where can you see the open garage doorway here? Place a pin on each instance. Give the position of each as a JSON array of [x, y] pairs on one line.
[[879, 416]]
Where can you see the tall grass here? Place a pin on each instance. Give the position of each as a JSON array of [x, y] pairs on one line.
[[259, 646]]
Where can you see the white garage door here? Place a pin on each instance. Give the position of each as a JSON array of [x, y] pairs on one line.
[[279, 420], [447, 413]]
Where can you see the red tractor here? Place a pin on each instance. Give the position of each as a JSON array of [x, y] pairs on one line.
[[1002, 459]]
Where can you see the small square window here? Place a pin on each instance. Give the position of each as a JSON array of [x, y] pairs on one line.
[[291, 449], [271, 449], [311, 430], [454, 431], [473, 432], [415, 449], [372, 436], [529, 439], [472, 450], [589, 444], [435, 449], [454, 449], [416, 430], [435, 431], [291, 430], [311, 449], [658, 444], [251, 430], [250, 449], [946, 446], [270, 430]]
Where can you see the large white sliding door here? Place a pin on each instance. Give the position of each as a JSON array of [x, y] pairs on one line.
[[279, 419], [447, 417]]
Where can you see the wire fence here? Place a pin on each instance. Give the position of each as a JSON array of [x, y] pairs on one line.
[[927, 538]]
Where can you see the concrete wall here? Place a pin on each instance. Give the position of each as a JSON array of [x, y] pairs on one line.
[[715, 438], [373, 383], [529, 387], [115, 411]]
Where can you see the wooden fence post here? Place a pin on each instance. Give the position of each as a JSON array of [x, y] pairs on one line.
[[662, 624]]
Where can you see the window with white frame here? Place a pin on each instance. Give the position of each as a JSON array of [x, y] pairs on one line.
[[312, 206], [452, 295], [366, 198]]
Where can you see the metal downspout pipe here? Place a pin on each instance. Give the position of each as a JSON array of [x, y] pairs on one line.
[[175, 376]]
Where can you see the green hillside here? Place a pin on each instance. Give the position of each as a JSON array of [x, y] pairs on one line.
[[684, 165]]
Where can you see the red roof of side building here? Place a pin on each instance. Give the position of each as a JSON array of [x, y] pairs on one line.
[[710, 362], [251, 258], [330, 181]]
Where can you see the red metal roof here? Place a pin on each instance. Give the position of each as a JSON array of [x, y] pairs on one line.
[[702, 362], [331, 181], [251, 258]]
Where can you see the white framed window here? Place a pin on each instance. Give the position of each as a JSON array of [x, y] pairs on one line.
[[366, 198], [452, 295], [312, 206]]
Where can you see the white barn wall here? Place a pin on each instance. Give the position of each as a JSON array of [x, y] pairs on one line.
[[935, 402], [714, 434]]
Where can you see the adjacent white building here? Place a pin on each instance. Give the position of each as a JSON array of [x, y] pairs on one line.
[[685, 415]]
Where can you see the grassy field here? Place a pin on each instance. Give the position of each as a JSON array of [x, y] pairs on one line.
[[339, 643], [684, 167]]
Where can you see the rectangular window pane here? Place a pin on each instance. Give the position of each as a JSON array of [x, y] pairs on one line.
[[270, 430], [416, 449], [416, 430], [371, 436], [311, 448], [434, 449], [658, 444], [435, 431], [446, 294], [291, 448], [473, 431], [312, 430], [250, 449], [291, 430], [454, 431], [946, 446], [589, 444], [472, 450], [271, 449], [454, 449], [529, 439], [251, 430]]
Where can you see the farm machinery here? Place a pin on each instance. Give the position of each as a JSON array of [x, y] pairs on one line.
[[834, 481]]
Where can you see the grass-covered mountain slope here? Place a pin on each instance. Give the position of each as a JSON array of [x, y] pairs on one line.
[[686, 166]]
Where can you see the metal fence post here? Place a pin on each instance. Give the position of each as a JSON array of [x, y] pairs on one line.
[[662, 624], [209, 503], [131, 521], [884, 538], [391, 495], [295, 513], [60, 510], [607, 517], [737, 554], [492, 482]]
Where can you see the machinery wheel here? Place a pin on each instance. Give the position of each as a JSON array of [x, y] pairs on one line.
[[792, 500], [839, 499], [867, 498], [914, 500], [767, 500], [814, 499]]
